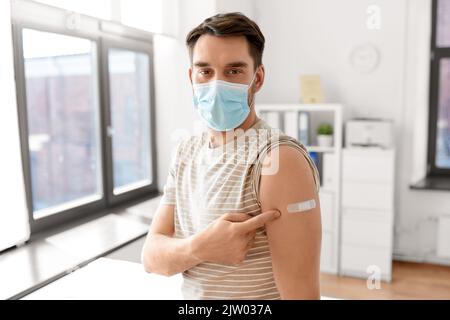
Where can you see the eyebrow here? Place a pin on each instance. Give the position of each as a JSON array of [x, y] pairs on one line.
[[201, 64], [236, 64]]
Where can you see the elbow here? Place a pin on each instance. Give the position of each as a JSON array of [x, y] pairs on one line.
[[152, 266], [147, 266], [145, 261], [300, 296], [167, 273], [300, 290]]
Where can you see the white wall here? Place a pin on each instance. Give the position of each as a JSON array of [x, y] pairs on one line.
[[246, 7], [175, 113], [317, 36], [13, 213]]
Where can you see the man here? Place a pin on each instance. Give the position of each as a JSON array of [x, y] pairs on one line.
[[235, 227]]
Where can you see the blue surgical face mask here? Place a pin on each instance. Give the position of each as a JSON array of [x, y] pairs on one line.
[[222, 105]]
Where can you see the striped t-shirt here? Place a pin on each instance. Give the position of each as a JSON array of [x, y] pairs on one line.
[[203, 184]]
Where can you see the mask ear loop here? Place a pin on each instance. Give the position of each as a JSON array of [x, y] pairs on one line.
[[253, 79], [249, 87]]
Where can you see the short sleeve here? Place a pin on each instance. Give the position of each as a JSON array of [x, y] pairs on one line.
[[169, 192]]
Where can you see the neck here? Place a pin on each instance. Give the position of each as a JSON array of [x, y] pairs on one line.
[[218, 138]]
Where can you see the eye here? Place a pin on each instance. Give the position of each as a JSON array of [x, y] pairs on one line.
[[234, 71], [204, 72]]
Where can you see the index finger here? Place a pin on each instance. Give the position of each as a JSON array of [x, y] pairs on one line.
[[259, 220]]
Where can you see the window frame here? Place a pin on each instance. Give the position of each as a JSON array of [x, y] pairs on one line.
[[436, 54], [106, 34], [131, 45]]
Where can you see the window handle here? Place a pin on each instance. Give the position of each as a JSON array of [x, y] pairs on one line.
[[110, 131]]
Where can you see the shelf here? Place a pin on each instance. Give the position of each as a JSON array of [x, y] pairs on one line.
[[299, 107], [327, 190], [432, 183], [319, 149]]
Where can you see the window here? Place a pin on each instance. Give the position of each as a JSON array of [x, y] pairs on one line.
[[439, 125], [443, 120], [443, 23], [86, 114], [130, 105], [63, 121]]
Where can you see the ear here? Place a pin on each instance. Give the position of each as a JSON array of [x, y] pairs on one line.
[[259, 78], [190, 75]]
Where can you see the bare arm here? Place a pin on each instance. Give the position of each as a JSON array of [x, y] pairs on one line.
[[162, 253], [295, 238]]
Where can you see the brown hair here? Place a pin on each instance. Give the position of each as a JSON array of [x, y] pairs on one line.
[[227, 25]]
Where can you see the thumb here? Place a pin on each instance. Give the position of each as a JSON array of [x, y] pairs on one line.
[[260, 220]]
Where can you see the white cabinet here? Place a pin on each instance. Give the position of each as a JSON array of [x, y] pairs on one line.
[[327, 206], [355, 260], [367, 195], [366, 231], [367, 211], [327, 253], [328, 261]]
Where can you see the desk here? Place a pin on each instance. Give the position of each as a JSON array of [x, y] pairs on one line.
[[110, 279]]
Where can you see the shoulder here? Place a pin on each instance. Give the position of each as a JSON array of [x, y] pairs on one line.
[[188, 145], [284, 162], [287, 169], [282, 153]]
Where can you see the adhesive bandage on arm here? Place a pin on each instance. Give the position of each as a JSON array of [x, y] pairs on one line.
[[301, 206]]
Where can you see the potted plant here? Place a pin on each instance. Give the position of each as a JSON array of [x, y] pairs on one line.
[[325, 135]]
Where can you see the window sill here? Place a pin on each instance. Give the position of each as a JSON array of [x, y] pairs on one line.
[[432, 183], [52, 255]]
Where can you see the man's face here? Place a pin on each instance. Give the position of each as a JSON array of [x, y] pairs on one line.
[[224, 58]]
